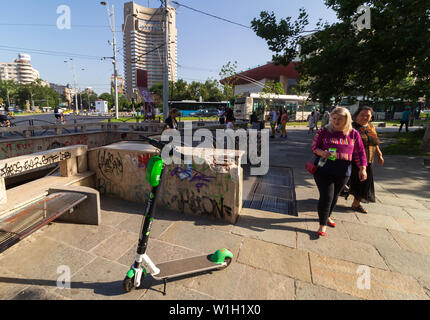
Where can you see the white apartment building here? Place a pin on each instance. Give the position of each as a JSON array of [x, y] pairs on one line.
[[143, 43], [20, 70]]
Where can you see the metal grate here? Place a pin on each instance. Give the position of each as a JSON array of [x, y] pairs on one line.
[[274, 192], [27, 220]]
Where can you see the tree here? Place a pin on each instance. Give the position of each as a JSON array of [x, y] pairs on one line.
[[342, 61], [229, 77], [8, 91], [107, 97]]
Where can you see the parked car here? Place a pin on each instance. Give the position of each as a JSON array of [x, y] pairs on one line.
[[204, 113]]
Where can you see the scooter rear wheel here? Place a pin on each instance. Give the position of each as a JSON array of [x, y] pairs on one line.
[[228, 261]]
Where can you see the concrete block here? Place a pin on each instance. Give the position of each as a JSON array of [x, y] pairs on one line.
[[3, 197], [68, 167], [82, 163], [88, 212]]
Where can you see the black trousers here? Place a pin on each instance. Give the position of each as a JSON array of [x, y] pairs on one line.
[[329, 187], [406, 123]]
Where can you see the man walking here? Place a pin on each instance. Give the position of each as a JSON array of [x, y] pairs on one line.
[[406, 117]]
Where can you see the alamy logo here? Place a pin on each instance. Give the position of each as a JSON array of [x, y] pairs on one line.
[[363, 19], [63, 281], [363, 281], [64, 20], [251, 145]]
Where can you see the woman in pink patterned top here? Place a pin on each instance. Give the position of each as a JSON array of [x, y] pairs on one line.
[[339, 145]]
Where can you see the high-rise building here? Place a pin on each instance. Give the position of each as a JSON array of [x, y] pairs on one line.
[[120, 85], [20, 70], [144, 38]]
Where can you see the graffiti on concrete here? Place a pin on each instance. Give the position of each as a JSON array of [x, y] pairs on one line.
[[110, 164], [13, 168], [192, 175], [202, 205], [13, 149], [143, 159], [69, 141]]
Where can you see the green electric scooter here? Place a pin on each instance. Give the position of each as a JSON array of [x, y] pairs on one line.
[[143, 265]]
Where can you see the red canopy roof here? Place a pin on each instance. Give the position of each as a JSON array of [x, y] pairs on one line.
[[269, 71]]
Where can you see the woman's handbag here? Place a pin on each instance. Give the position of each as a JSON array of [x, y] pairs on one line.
[[311, 167]]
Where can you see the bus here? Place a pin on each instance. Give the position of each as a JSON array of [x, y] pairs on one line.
[[386, 110], [298, 107], [186, 107]]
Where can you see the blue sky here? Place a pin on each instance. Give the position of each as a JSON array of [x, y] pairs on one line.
[[205, 44]]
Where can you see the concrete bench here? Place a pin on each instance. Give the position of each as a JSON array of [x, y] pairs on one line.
[[72, 160], [31, 218]]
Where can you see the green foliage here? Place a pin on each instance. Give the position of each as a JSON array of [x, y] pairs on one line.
[[229, 74], [388, 60], [282, 38], [210, 90], [407, 143], [273, 87]]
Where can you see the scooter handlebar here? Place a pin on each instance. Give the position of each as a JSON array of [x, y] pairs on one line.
[[160, 145], [157, 144]]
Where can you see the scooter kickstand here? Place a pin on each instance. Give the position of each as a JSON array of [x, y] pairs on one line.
[[165, 283]]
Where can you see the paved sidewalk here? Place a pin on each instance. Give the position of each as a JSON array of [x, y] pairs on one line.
[[275, 256]]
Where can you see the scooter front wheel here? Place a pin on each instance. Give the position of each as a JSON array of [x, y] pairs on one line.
[[128, 284]]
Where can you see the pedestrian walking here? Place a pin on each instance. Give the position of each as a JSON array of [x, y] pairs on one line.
[[221, 115], [316, 118], [284, 120], [171, 122], [273, 122], [278, 117], [325, 119], [364, 191], [336, 147], [229, 117], [406, 117], [311, 122], [255, 124]]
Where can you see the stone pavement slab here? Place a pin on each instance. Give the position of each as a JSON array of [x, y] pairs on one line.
[[40, 259], [200, 238], [380, 221], [339, 232], [408, 263], [419, 214], [412, 242], [413, 226], [385, 210], [11, 284], [114, 247], [275, 258], [372, 235], [400, 202], [342, 249], [425, 203], [256, 284], [270, 227], [159, 251], [343, 276], [174, 291], [101, 279], [308, 291], [84, 237]]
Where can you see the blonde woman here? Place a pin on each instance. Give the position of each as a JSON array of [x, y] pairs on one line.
[[337, 146]]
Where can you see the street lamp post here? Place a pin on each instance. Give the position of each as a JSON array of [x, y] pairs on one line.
[[74, 79], [111, 19], [166, 62]]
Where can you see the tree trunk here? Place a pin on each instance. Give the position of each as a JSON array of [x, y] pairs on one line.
[[425, 145]]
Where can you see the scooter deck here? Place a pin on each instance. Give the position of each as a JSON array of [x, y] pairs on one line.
[[180, 267]]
